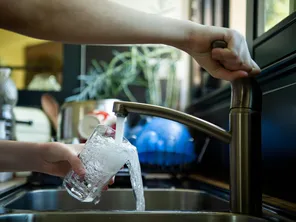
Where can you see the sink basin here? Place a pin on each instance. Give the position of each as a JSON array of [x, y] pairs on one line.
[[118, 199], [130, 217]]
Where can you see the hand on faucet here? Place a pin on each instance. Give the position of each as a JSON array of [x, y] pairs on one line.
[[229, 63]]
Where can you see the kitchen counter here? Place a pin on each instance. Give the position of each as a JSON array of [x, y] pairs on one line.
[[12, 184]]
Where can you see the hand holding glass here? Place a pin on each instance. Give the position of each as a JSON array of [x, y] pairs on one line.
[[102, 159]]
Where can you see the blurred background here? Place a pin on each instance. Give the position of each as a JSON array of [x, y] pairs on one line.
[[62, 91]]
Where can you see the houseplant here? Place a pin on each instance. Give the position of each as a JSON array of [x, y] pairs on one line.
[[137, 67]]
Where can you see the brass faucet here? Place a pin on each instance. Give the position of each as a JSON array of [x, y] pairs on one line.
[[244, 138]]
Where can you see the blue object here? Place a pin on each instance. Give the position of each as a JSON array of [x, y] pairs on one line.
[[164, 142], [131, 134]]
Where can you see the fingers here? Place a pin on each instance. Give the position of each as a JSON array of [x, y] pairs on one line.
[[233, 61], [228, 75], [256, 70], [76, 147], [112, 180], [60, 169], [71, 152], [75, 163], [229, 59], [110, 183], [223, 54], [218, 71]]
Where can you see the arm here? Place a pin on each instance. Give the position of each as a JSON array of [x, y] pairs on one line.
[[18, 156], [90, 22], [105, 22], [52, 158]]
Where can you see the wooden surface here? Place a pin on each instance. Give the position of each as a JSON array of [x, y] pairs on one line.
[[265, 198]]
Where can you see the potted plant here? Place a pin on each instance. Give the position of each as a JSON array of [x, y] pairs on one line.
[[140, 66]]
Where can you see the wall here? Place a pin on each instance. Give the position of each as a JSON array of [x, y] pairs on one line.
[[237, 15], [12, 47]]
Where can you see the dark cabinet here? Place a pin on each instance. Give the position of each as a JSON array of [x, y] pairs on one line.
[[71, 70]]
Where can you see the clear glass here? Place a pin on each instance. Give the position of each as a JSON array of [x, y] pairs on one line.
[[102, 159], [271, 12]]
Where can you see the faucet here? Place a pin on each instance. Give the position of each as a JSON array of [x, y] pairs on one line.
[[243, 137]]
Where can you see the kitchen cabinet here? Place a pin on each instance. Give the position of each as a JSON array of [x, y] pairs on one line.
[[70, 70]]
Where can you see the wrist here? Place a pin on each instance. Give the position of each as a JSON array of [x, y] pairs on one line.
[[31, 154], [183, 32], [199, 38], [194, 36]]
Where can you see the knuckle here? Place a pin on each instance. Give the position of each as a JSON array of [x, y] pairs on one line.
[[235, 55]]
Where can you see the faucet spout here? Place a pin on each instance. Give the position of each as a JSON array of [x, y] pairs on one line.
[[123, 108]]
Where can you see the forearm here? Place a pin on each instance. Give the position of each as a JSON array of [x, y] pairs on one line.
[[105, 22], [18, 156], [91, 22]]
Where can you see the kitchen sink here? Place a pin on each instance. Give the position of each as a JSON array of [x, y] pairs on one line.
[[129, 217], [117, 199]]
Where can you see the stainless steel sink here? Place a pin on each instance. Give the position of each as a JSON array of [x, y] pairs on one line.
[[118, 199], [130, 217]]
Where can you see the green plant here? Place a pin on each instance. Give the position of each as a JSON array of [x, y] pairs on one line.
[[138, 66], [150, 70]]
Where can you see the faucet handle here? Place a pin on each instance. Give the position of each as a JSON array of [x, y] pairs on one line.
[[219, 44], [246, 92]]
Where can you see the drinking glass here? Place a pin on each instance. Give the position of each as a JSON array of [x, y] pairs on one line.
[[102, 159]]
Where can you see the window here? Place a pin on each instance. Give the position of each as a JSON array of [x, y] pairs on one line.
[[271, 12]]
